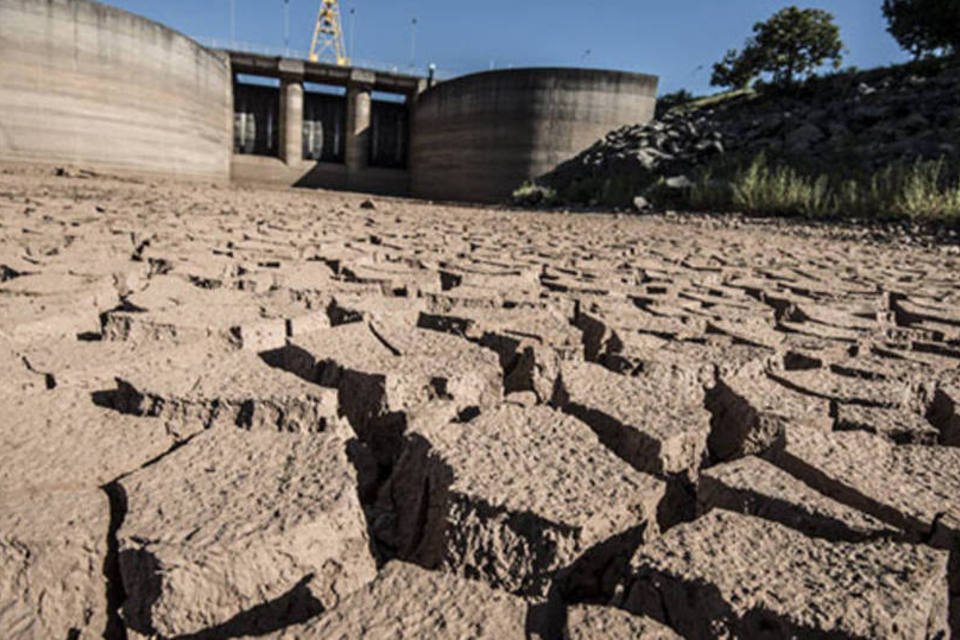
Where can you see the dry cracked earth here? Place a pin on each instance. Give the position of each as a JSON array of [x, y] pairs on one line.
[[238, 413]]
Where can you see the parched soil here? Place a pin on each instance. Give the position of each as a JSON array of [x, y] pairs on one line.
[[229, 412]]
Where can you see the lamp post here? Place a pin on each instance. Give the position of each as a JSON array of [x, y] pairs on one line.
[[233, 24], [286, 27], [353, 33], [413, 43]]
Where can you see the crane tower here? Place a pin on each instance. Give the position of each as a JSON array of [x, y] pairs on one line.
[[328, 35]]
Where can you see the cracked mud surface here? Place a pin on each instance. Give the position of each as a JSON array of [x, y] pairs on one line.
[[235, 413]]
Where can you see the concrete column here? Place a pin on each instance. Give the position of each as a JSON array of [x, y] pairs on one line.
[[413, 99], [358, 120], [291, 121]]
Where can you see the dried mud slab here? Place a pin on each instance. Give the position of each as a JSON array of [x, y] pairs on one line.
[[656, 423], [944, 414], [61, 439], [914, 488], [751, 411], [20, 374], [238, 525], [52, 552], [755, 487], [808, 375], [43, 306], [897, 425], [321, 356], [206, 384], [458, 509], [407, 602], [531, 343], [727, 574], [241, 326], [383, 374], [175, 312], [592, 622]]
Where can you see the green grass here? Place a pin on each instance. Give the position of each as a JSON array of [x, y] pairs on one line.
[[922, 190], [531, 194], [717, 98]]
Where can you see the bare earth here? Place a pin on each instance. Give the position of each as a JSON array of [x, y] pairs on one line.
[[231, 412]]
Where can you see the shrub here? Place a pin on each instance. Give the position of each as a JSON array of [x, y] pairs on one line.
[[531, 194]]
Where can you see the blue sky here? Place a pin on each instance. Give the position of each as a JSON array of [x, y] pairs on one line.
[[675, 39]]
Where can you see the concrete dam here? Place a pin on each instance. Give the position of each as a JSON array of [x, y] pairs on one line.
[[84, 83]]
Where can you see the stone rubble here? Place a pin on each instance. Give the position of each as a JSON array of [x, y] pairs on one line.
[[869, 120]]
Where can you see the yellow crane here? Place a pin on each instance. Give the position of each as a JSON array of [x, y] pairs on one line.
[[328, 35]]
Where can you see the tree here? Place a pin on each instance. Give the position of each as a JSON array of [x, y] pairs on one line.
[[668, 101], [924, 27], [737, 70], [793, 43]]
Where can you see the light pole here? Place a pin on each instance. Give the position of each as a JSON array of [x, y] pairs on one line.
[[353, 33], [413, 43], [233, 24], [286, 27]]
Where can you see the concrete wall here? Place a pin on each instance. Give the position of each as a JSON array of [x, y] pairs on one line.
[[480, 136], [84, 83]]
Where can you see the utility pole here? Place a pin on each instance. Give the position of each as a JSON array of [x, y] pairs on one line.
[[353, 33], [233, 24], [413, 43], [286, 27]]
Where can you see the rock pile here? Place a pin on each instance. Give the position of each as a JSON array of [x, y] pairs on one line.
[[862, 121]]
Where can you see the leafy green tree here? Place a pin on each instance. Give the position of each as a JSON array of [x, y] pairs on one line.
[[793, 43], [924, 27], [737, 70]]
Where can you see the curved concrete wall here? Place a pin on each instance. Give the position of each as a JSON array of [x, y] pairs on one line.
[[85, 83], [479, 137]]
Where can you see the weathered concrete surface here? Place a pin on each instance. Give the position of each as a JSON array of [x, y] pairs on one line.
[[761, 366], [478, 137], [264, 170], [89, 84]]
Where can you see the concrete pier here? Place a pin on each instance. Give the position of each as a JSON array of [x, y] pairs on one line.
[[291, 121], [358, 119]]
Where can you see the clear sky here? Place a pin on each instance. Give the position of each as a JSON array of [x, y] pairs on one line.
[[678, 40]]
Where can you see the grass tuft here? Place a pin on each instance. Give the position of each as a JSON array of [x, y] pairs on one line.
[[531, 194], [923, 190]]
